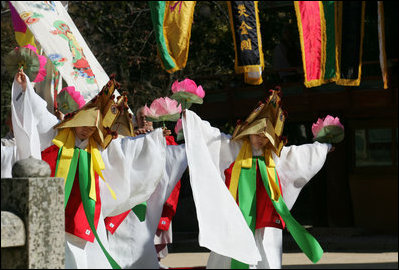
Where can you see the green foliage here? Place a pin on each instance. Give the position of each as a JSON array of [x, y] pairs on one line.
[[7, 44]]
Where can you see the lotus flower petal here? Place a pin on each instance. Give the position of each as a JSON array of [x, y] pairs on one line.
[[176, 87], [149, 112], [331, 121], [200, 92], [316, 127], [188, 85], [322, 123], [178, 126], [171, 106], [163, 109], [159, 107]]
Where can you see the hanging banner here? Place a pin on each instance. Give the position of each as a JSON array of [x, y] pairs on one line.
[[331, 36], [172, 22], [317, 32], [381, 42], [245, 27], [351, 31], [63, 44], [23, 35]]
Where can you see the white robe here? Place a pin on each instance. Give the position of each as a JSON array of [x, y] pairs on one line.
[[8, 155], [126, 161], [132, 244], [222, 227]]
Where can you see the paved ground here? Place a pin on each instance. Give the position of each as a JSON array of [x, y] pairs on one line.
[[330, 260]]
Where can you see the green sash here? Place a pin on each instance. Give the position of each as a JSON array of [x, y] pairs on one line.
[[247, 203], [84, 184], [140, 211]]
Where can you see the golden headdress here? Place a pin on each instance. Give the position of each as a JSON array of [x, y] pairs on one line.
[[268, 118], [111, 118]]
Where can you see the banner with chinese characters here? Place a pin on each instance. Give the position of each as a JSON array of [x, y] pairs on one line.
[[245, 27], [63, 44], [172, 22], [331, 36]]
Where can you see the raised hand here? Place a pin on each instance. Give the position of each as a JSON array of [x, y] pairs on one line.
[[20, 77], [59, 114], [166, 132], [141, 131]]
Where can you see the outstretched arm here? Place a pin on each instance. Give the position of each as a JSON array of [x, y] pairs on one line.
[[297, 165], [176, 164], [133, 168], [32, 122]]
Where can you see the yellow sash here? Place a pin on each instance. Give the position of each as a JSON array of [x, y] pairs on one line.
[[66, 140], [244, 160], [275, 192]]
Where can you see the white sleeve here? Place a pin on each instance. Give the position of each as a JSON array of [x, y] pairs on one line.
[[222, 150], [7, 160], [176, 164], [297, 165], [222, 227], [32, 122], [133, 168]]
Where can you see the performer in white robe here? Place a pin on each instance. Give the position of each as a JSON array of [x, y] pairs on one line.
[[125, 160], [222, 227], [131, 239], [132, 244]]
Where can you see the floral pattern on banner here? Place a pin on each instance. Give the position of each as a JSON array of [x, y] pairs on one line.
[[44, 5], [31, 17], [57, 59], [62, 42], [81, 66]]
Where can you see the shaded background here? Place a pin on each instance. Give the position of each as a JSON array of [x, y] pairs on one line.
[[357, 187]]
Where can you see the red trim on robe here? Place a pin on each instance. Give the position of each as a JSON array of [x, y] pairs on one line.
[[266, 214], [112, 223], [168, 212], [75, 218]]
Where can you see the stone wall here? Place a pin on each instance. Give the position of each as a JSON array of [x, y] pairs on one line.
[[39, 203]]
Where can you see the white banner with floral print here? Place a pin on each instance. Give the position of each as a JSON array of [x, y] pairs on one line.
[[63, 44]]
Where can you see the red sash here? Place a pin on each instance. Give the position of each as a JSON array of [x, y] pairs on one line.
[[266, 215], [75, 218]]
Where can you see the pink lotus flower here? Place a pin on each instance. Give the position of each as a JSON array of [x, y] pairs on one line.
[[328, 130], [42, 60], [327, 121], [189, 86], [162, 109]]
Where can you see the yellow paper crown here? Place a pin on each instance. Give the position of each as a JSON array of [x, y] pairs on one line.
[[268, 118], [111, 118]]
